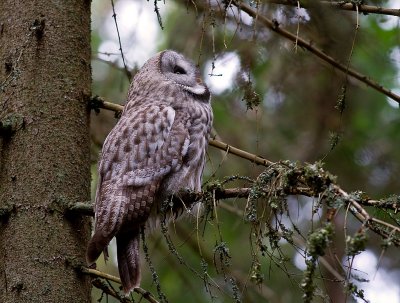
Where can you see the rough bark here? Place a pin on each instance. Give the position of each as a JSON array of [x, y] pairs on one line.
[[44, 149]]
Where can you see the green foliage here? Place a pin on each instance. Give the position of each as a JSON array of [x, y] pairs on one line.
[[250, 97], [319, 240], [357, 244], [317, 243], [222, 251], [341, 102], [256, 275], [352, 289]]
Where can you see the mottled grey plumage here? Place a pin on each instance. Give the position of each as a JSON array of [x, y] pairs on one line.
[[157, 148]]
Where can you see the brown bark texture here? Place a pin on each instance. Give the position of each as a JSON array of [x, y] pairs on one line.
[[44, 149]]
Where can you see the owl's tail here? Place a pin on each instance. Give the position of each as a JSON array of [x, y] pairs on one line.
[[128, 259]]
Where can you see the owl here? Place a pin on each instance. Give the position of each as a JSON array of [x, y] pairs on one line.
[[156, 149]]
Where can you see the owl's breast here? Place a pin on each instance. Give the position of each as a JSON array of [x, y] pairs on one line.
[[198, 119]]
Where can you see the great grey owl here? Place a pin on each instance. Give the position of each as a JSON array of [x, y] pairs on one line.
[[157, 148]]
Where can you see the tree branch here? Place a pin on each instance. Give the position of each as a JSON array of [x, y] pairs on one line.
[[86, 209], [98, 102], [10, 124], [100, 284], [240, 153], [82, 208], [362, 215], [378, 226], [98, 274], [362, 8], [240, 192], [274, 26]]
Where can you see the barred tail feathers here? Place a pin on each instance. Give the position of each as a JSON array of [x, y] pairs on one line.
[[110, 212], [128, 259]]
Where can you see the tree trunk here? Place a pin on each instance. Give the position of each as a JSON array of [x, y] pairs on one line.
[[44, 152]]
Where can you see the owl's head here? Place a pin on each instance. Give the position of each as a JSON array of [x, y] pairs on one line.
[[181, 71], [171, 71]]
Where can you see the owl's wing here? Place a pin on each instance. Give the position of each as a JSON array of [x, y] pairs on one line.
[[145, 145]]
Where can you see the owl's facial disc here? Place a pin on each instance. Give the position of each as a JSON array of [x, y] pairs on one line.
[[181, 71]]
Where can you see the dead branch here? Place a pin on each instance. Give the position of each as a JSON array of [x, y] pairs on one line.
[[98, 274], [275, 26], [342, 5]]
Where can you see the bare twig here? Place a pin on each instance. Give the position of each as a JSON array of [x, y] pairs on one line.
[[128, 74], [98, 283], [112, 64], [274, 26], [157, 11], [98, 102], [362, 8], [362, 215], [240, 153]]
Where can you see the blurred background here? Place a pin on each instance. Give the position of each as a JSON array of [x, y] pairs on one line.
[[277, 100]]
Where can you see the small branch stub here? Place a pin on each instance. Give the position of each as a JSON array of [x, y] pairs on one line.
[[38, 28], [10, 124], [97, 102]]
